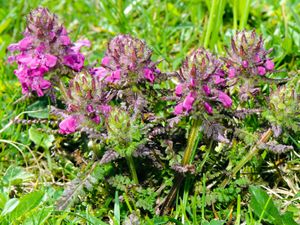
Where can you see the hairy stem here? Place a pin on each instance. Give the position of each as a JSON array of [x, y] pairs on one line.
[[264, 138], [132, 169], [189, 153]]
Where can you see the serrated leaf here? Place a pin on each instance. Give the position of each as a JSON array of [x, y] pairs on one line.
[[76, 186], [27, 203], [40, 138], [10, 205], [15, 175]]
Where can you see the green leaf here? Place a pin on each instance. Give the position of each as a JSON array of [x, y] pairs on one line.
[[40, 109], [287, 218], [40, 138], [3, 199], [27, 203], [213, 222], [117, 209], [264, 207], [15, 175], [40, 217], [10, 205], [4, 24]]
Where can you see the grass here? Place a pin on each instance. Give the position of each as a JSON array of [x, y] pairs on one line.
[[172, 29]]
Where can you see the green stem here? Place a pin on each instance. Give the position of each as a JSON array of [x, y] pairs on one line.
[[235, 14], [132, 169], [211, 21], [203, 198], [189, 153], [264, 138], [238, 211], [245, 14], [193, 141], [217, 23]]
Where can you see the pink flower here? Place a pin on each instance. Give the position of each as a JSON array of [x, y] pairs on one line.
[[105, 109], [257, 59], [206, 90], [245, 64], [68, 125], [208, 108], [192, 82], [65, 40], [97, 119], [114, 77], [79, 44], [218, 80], [105, 61], [269, 64], [74, 60], [261, 70], [224, 99], [100, 72], [178, 89], [188, 102], [90, 108], [178, 109], [231, 72], [50, 60], [25, 43], [149, 75], [39, 84]]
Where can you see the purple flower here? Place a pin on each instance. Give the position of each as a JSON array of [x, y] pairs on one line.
[[86, 100], [105, 61], [50, 60], [225, 99], [149, 75], [45, 47], [219, 80], [100, 72], [269, 64], [79, 44], [132, 57], [96, 119], [206, 90], [114, 77], [261, 70], [68, 125], [208, 108], [188, 102], [248, 55], [105, 109], [231, 72], [202, 78], [65, 40], [90, 108], [178, 89], [74, 61], [178, 109], [39, 84], [245, 64]]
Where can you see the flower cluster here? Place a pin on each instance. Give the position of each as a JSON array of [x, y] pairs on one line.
[[45, 46], [247, 55], [87, 103], [203, 83], [127, 60]]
